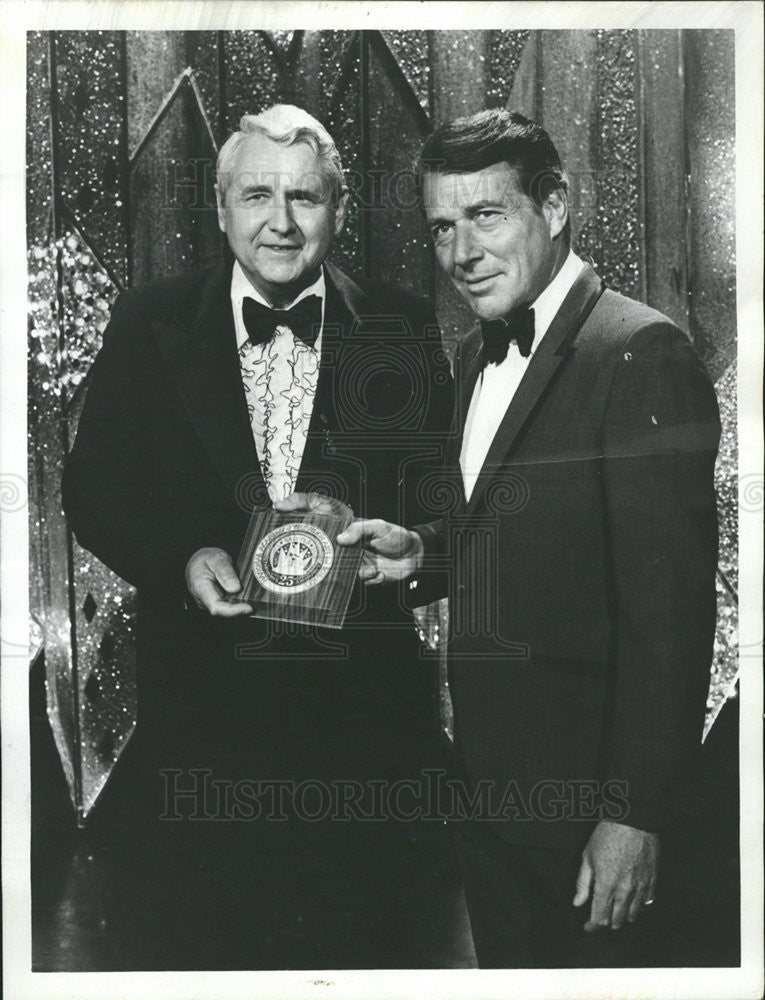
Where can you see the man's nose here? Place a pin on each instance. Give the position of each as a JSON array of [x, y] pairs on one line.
[[280, 218], [464, 248]]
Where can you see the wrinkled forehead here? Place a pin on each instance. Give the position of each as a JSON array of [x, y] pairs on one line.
[[446, 193], [260, 162]]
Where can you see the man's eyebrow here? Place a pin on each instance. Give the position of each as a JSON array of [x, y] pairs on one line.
[[478, 206], [468, 210], [303, 192], [256, 189]]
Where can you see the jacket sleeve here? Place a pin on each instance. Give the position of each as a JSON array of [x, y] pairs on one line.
[[432, 582], [660, 437], [426, 449], [107, 487]]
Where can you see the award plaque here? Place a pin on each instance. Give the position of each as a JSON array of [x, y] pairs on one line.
[[293, 570]]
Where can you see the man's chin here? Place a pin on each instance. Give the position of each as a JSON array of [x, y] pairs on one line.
[[283, 277], [281, 274], [487, 311], [486, 307], [282, 281]]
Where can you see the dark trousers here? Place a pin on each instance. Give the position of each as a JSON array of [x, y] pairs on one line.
[[521, 915]]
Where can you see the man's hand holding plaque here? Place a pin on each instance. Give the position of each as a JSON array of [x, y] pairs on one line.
[[213, 585], [291, 566], [391, 553]]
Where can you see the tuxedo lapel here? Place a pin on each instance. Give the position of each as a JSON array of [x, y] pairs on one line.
[[345, 296], [544, 363], [323, 427], [352, 323], [467, 368], [201, 355]]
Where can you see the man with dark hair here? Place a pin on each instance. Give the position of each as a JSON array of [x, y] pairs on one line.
[[581, 547], [467, 145]]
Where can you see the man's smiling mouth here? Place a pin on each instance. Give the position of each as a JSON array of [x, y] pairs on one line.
[[476, 284]]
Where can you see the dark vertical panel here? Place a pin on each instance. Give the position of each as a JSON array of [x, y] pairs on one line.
[[124, 156], [42, 330], [459, 61], [342, 73], [364, 153], [399, 248], [410, 50], [202, 58], [59, 632], [90, 112], [308, 93], [664, 179], [223, 127], [525, 91], [337, 48], [173, 219], [725, 664], [567, 108], [38, 150], [285, 46], [726, 481], [74, 127], [710, 131], [251, 75], [708, 62], [155, 59], [613, 237], [506, 51], [103, 684], [459, 64], [88, 171]]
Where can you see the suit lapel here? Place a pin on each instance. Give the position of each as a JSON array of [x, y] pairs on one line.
[[545, 362], [467, 368], [345, 305], [345, 293], [201, 355]]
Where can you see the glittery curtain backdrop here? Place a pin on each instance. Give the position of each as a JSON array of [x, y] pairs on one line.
[[123, 129]]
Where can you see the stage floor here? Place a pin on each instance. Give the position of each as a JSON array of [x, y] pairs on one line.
[[136, 892]]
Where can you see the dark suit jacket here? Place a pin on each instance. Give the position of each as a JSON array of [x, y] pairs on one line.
[[164, 463], [583, 573]]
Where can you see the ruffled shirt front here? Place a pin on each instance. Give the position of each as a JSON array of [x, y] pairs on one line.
[[279, 379]]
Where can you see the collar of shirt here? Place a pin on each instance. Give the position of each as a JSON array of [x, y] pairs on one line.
[[545, 308], [551, 299], [498, 384], [242, 287]]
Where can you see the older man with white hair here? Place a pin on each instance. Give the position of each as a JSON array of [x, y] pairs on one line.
[[222, 390]]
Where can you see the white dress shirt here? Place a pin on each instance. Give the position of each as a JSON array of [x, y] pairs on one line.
[[498, 383], [280, 379]]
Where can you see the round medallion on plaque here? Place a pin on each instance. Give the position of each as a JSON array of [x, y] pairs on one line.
[[292, 558]]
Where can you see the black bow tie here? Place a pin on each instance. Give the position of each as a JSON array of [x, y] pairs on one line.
[[518, 325], [304, 319]]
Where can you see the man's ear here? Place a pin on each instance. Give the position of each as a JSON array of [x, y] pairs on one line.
[[555, 209], [341, 210], [219, 197]]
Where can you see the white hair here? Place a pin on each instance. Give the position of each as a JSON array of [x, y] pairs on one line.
[[287, 125]]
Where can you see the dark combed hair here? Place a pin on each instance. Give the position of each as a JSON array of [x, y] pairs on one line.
[[467, 145]]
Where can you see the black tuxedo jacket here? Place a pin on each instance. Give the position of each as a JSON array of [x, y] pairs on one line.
[[583, 574], [164, 461]]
